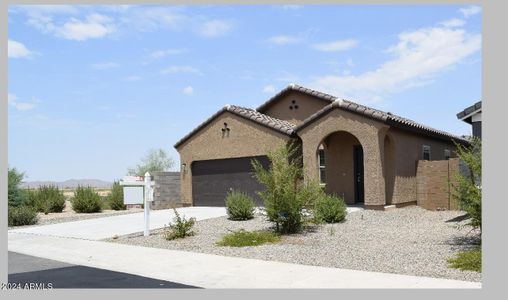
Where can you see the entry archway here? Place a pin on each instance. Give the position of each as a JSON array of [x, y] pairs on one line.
[[342, 166]]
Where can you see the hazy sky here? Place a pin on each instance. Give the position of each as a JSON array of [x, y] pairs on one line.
[[91, 88]]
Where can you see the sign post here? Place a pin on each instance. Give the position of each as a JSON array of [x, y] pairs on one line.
[[148, 199], [133, 190]]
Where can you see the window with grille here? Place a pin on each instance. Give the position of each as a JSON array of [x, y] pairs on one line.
[[321, 160], [447, 154], [426, 152]]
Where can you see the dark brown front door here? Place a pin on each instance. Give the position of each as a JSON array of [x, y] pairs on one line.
[[213, 179], [358, 169]]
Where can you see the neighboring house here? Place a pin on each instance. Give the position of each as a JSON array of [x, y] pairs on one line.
[[473, 115], [365, 155]]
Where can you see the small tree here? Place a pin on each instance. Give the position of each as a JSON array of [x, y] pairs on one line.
[[115, 199], [468, 191], [15, 196], [288, 202], [153, 161]]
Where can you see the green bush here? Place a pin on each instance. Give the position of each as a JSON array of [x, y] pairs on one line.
[[468, 191], [240, 206], [48, 199], [15, 195], [86, 200], [242, 238], [180, 228], [470, 260], [115, 199], [22, 215], [288, 202], [330, 209]]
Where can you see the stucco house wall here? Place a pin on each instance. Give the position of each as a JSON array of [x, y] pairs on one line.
[[408, 150], [246, 138], [366, 130], [307, 105]]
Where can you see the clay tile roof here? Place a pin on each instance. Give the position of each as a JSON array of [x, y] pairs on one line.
[[465, 114], [281, 126], [290, 129], [385, 117]]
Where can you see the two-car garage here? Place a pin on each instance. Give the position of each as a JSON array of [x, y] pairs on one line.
[[213, 179]]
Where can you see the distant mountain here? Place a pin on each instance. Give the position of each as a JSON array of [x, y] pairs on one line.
[[71, 183]]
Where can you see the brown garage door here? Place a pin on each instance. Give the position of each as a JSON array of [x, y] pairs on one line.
[[212, 179]]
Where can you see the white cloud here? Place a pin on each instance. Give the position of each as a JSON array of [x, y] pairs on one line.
[[291, 7], [417, 57], [284, 40], [340, 45], [215, 28], [188, 90], [453, 23], [269, 89], [105, 65], [166, 52], [470, 11], [13, 101], [181, 69], [94, 26], [132, 78], [18, 50]]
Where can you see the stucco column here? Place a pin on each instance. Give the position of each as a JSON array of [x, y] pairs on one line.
[[310, 167], [374, 182]]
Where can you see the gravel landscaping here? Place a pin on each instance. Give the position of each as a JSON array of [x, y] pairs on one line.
[[407, 240], [68, 215]]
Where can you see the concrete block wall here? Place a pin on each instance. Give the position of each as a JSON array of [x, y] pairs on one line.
[[434, 184], [166, 190]]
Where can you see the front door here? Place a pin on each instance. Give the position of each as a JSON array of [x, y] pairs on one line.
[[358, 172]]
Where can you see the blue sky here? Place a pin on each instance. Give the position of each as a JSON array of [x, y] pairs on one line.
[[92, 88]]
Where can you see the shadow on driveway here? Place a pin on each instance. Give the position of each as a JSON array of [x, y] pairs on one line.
[[62, 275]]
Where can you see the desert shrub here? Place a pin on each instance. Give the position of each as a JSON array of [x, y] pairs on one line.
[[15, 195], [22, 215], [242, 238], [240, 206], [470, 260], [468, 191], [48, 198], [180, 228], [288, 202], [115, 199], [86, 200], [330, 209]]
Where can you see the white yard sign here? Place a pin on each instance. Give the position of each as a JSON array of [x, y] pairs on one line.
[[133, 195], [133, 189]]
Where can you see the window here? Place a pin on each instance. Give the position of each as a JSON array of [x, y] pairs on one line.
[[426, 152], [447, 154], [321, 160]]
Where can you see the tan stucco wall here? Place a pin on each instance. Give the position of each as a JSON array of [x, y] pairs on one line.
[[246, 138], [408, 150], [307, 106], [369, 132], [339, 165]]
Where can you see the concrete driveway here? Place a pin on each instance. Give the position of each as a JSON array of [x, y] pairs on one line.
[[107, 227]]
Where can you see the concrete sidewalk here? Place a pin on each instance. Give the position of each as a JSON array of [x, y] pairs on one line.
[[106, 227], [212, 271]]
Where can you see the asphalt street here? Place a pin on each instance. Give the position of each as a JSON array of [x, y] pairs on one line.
[[25, 269]]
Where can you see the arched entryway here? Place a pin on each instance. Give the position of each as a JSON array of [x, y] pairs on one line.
[[341, 168]]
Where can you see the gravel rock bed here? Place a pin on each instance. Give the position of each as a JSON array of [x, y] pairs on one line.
[[407, 240], [55, 218]]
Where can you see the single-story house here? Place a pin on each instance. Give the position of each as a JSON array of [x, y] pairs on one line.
[[363, 154], [473, 115]]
